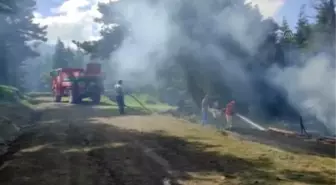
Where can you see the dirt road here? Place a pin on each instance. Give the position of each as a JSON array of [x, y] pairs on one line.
[[72, 145], [84, 145]]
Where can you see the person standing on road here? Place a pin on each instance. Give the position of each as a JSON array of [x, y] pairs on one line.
[[303, 129], [120, 96], [205, 109], [229, 112]]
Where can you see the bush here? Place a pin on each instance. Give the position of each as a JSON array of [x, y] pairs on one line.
[[10, 94]]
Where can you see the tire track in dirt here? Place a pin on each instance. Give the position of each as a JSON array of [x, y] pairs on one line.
[[126, 166], [42, 158], [135, 164]]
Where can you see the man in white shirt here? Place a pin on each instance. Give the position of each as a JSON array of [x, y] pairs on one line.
[[120, 96]]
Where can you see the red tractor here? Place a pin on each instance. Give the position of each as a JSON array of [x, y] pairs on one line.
[[77, 83]]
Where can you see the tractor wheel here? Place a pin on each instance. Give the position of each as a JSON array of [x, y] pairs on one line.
[[96, 99]]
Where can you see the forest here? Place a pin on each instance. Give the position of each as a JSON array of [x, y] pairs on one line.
[[181, 50]]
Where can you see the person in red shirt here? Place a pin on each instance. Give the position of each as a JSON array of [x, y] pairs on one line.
[[229, 112]]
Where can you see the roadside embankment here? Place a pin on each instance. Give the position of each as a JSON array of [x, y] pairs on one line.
[[17, 114]]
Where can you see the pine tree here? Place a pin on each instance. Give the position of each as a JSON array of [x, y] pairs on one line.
[[69, 56], [78, 59], [17, 31], [325, 17], [325, 25], [112, 37], [303, 30], [8, 6], [59, 57], [288, 34]]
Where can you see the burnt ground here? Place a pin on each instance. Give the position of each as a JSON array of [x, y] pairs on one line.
[[84, 144]]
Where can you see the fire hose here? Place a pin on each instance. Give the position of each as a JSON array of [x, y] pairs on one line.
[[110, 96], [140, 103]]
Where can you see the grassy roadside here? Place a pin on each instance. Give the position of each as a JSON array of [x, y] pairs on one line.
[[16, 112], [131, 103], [231, 160], [150, 103], [11, 96], [205, 156]]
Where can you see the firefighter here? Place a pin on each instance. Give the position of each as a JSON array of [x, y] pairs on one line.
[[120, 96], [303, 129], [205, 109], [229, 112]]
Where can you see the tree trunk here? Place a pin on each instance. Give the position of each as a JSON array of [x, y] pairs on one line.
[[3, 64]]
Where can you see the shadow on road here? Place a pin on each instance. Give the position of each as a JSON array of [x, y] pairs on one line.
[[121, 161]]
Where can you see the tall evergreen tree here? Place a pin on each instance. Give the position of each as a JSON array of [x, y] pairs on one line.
[[7, 6], [59, 58], [78, 59], [17, 31], [112, 37], [288, 33], [303, 29]]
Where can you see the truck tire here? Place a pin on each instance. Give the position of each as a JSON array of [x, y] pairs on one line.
[[96, 99], [57, 98], [73, 95]]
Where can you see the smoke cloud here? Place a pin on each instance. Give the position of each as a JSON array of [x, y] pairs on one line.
[[157, 36], [310, 88], [146, 45]]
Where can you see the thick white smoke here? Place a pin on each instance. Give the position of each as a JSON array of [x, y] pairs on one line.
[[310, 88], [155, 38], [146, 46]]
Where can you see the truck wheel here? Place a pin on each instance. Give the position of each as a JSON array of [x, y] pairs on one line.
[[73, 99], [96, 99], [57, 98]]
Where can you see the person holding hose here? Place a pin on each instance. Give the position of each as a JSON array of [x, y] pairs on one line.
[[120, 96], [229, 112], [205, 109]]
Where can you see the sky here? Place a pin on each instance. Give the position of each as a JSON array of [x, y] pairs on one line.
[[290, 10], [73, 19]]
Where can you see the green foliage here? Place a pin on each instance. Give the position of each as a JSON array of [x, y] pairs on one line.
[[61, 57], [7, 6], [10, 94], [303, 28], [66, 57], [325, 26], [45, 84], [17, 30], [288, 33], [112, 35], [325, 14]]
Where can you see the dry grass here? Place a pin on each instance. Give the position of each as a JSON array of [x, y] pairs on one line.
[[200, 155], [249, 162]]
